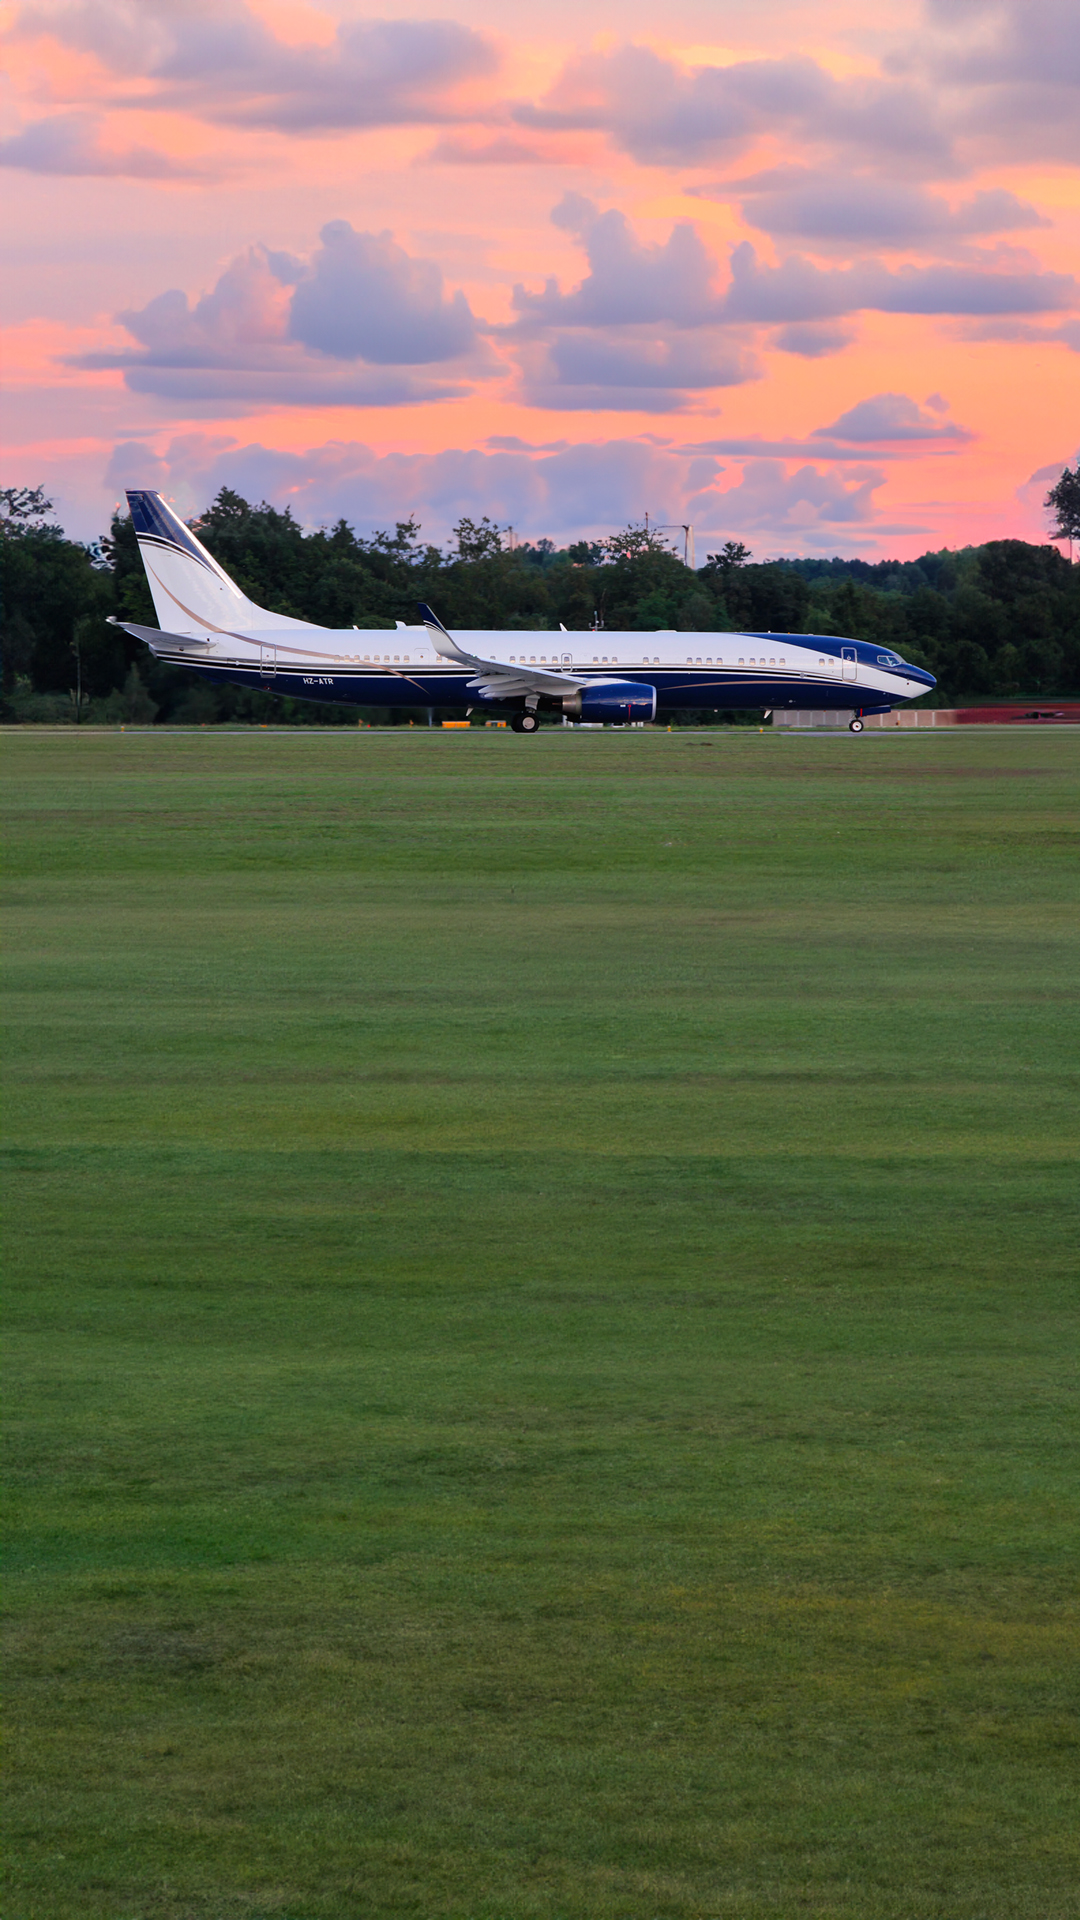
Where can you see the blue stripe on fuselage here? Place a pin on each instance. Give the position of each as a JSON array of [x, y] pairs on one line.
[[675, 688]]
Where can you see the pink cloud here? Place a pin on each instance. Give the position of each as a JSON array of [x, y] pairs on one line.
[[803, 240], [75, 143], [224, 64]]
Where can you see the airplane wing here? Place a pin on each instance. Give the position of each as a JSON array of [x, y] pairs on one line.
[[498, 679]]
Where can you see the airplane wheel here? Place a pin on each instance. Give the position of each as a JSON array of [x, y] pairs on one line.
[[528, 723], [515, 723], [855, 726]]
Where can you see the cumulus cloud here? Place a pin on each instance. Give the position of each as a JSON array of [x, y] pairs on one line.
[[562, 492], [1013, 42], [244, 313], [798, 290], [640, 331], [366, 298], [267, 330], [639, 360], [1022, 333], [456, 150], [769, 498], [72, 143], [628, 280], [209, 390], [1012, 70], [999, 78], [894, 416], [661, 112], [569, 492], [813, 340], [222, 62], [632, 368], [672, 284], [756, 447], [647, 327], [852, 210], [1007, 40]]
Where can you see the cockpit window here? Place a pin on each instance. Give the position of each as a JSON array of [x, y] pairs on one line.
[[889, 660]]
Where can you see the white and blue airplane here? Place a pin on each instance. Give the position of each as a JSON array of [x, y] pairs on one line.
[[210, 626]]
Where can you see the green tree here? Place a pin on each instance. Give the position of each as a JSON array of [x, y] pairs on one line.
[[49, 585], [732, 554], [1063, 501], [23, 509], [477, 540], [634, 543]]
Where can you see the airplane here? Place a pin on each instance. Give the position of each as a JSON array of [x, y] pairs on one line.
[[208, 625]]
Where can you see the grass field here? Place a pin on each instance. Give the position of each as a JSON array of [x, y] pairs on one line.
[[541, 1326]]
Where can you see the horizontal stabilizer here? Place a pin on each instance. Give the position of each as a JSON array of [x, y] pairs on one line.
[[163, 642]]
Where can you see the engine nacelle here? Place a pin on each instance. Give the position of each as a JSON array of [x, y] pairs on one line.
[[617, 700]]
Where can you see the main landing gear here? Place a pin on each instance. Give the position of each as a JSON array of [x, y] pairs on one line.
[[854, 726], [524, 723]]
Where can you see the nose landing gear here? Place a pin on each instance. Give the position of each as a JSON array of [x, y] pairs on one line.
[[855, 726]]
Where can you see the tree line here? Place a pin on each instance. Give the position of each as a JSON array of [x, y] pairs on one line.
[[1000, 620]]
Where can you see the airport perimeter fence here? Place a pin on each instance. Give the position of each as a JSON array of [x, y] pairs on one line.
[[1051, 713]]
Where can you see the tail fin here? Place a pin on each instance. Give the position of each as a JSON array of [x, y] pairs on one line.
[[192, 594]]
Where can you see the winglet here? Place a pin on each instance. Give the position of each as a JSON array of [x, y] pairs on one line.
[[430, 619], [442, 641]]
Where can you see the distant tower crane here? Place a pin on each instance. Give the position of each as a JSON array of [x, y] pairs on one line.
[[688, 538]]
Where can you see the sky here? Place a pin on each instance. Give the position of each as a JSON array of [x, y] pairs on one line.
[[804, 274]]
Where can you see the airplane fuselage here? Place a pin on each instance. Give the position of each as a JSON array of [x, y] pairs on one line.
[[373, 667]]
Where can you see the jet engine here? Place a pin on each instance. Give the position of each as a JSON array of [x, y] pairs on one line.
[[617, 700]]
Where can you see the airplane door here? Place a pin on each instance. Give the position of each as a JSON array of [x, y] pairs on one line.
[[267, 662], [849, 662]]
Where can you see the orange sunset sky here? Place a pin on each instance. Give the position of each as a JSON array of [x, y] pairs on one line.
[[801, 275]]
